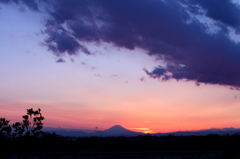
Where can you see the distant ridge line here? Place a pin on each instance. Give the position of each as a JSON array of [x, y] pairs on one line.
[[118, 130]]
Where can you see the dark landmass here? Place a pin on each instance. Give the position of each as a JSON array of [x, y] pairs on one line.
[[51, 145], [118, 142]]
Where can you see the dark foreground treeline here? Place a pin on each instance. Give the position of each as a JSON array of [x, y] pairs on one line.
[[21, 147]]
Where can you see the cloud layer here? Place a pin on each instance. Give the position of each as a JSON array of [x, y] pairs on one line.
[[192, 37]]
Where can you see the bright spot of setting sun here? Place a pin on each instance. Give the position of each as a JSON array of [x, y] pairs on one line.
[[148, 132], [143, 130]]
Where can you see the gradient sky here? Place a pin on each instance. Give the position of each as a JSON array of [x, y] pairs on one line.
[[161, 65]]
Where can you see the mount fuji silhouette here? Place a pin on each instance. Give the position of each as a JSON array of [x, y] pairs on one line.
[[116, 130]]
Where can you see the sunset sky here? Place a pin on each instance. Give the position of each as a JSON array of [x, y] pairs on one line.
[[147, 65]]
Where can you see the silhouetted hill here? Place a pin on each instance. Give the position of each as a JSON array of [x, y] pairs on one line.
[[224, 131], [69, 133], [118, 130]]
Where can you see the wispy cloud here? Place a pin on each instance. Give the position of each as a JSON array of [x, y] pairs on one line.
[[60, 61], [97, 75], [142, 79]]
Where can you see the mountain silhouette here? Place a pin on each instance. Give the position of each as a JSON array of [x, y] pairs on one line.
[[117, 129], [223, 131]]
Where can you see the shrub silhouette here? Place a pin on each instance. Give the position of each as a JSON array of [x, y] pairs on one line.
[[5, 129], [31, 125]]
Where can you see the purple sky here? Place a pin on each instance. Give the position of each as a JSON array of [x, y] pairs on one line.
[[137, 63]]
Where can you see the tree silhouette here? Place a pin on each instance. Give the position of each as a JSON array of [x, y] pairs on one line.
[[31, 124], [5, 129], [18, 129]]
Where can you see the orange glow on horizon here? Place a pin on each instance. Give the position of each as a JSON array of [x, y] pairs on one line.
[[148, 132], [155, 112], [143, 130]]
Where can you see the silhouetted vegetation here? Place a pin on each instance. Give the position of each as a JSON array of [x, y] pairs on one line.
[[25, 139], [31, 125], [20, 137], [5, 128]]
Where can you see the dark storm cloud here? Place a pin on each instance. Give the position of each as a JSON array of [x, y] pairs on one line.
[[60, 41], [190, 36], [31, 4], [221, 10]]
